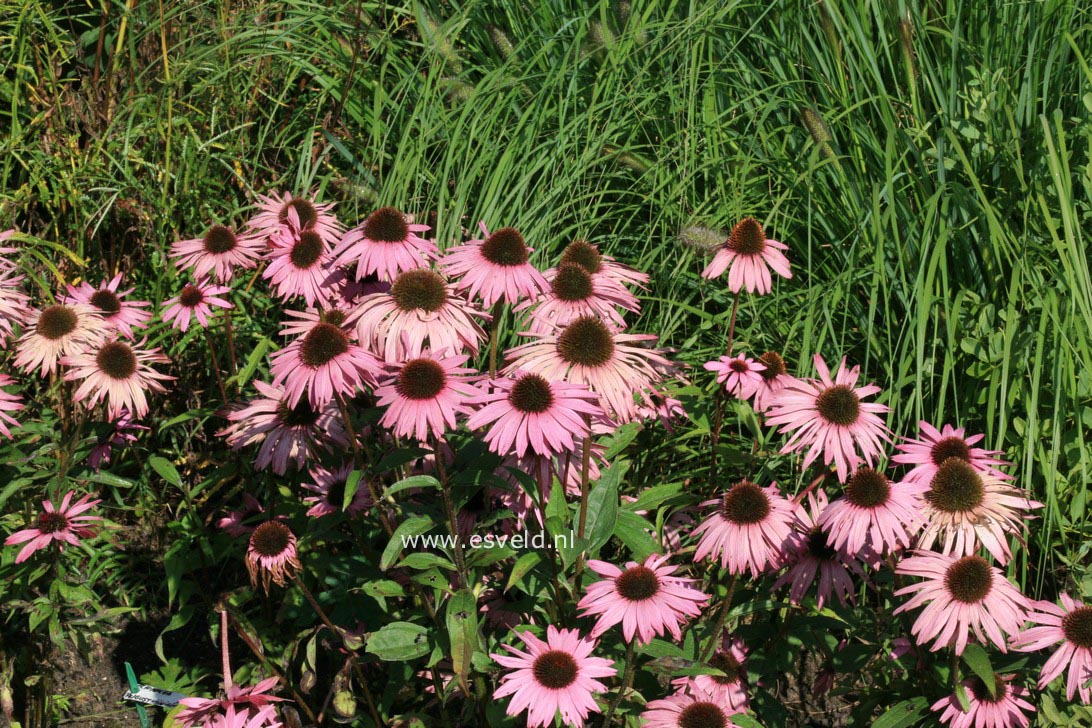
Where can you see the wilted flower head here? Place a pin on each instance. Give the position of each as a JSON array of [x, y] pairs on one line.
[[272, 554]]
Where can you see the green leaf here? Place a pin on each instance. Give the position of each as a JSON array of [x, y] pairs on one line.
[[904, 714], [423, 560], [412, 526], [461, 619], [399, 641], [381, 588], [257, 354], [654, 496], [661, 648], [166, 470], [352, 483], [111, 479], [976, 658], [742, 719], [621, 439], [414, 481], [603, 506], [523, 564], [634, 532]]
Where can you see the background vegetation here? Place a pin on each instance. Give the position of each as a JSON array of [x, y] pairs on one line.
[[928, 163]]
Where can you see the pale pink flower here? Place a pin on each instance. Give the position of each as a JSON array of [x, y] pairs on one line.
[[965, 508], [605, 270], [274, 211], [530, 414], [118, 373], [66, 524], [873, 514], [218, 252], [646, 599], [329, 486], [688, 710], [774, 378], [123, 433], [960, 596], [251, 701], [420, 311], [748, 256], [325, 363], [555, 675], [748, 529], [195, 300], [262, 718], [1002, 710], [272, 554], [1070, 625], [828, 417], [56, 331], [587, 351], [935, 446], [235, 524], [306, 320], [740, 375], [117, 313], [729, 689], [386, 244], [572, 293], [298, 263], [424, 396], [14, 304], [8, 403], [495, 268], [287, 433], [810, 554]]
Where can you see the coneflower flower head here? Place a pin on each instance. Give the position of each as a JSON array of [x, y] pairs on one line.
[[966, 508], [56, 331], [1000, 708], [1069, 626], [218, 252], [873, 514], [386, 244], [495, 268], [774, 377], [271, 555], [748, 529], [748, 256]]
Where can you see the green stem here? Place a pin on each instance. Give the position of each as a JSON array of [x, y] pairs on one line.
[[627, 680], [494, 335], [585, 467], [449, 510], [718, 630], [358, 460]]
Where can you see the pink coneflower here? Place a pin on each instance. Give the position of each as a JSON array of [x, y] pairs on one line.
[[287, 433], [1003, 709], [123, 433], [8, 403], [729, 689], [263, 718], [1071, 625], [809, 553], [117, 372], [965, 508], [194, 300], [774, 378], [588, 352], [14, 304], [59, 525], [272, 554], [828, 417], [252, 701], [54, 332], [218, 252], [324, 363], [605, 269], [385, 245], [235, 524], [748, 255], [935, 446], [873, 514], [306, 320], [661, 406], [424, 396], [275, 210], [555, 675], [495, 268], [117, 314], [748, 528], [330, 487], [740, 375], [573, 292], [297, 263], [420, 311], [645, 598], [530, 414], [688, 710], [961, 595]]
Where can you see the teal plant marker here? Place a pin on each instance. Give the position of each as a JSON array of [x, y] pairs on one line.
[[134, 687]]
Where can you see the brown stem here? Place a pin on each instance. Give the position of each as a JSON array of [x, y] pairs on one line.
[[543, 494], [718, 416], [229, 330], [718, 631], [358, 460], [224, 656], [627, 680], [585, 467], [449, 510], [494, 335], [216, 366]]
